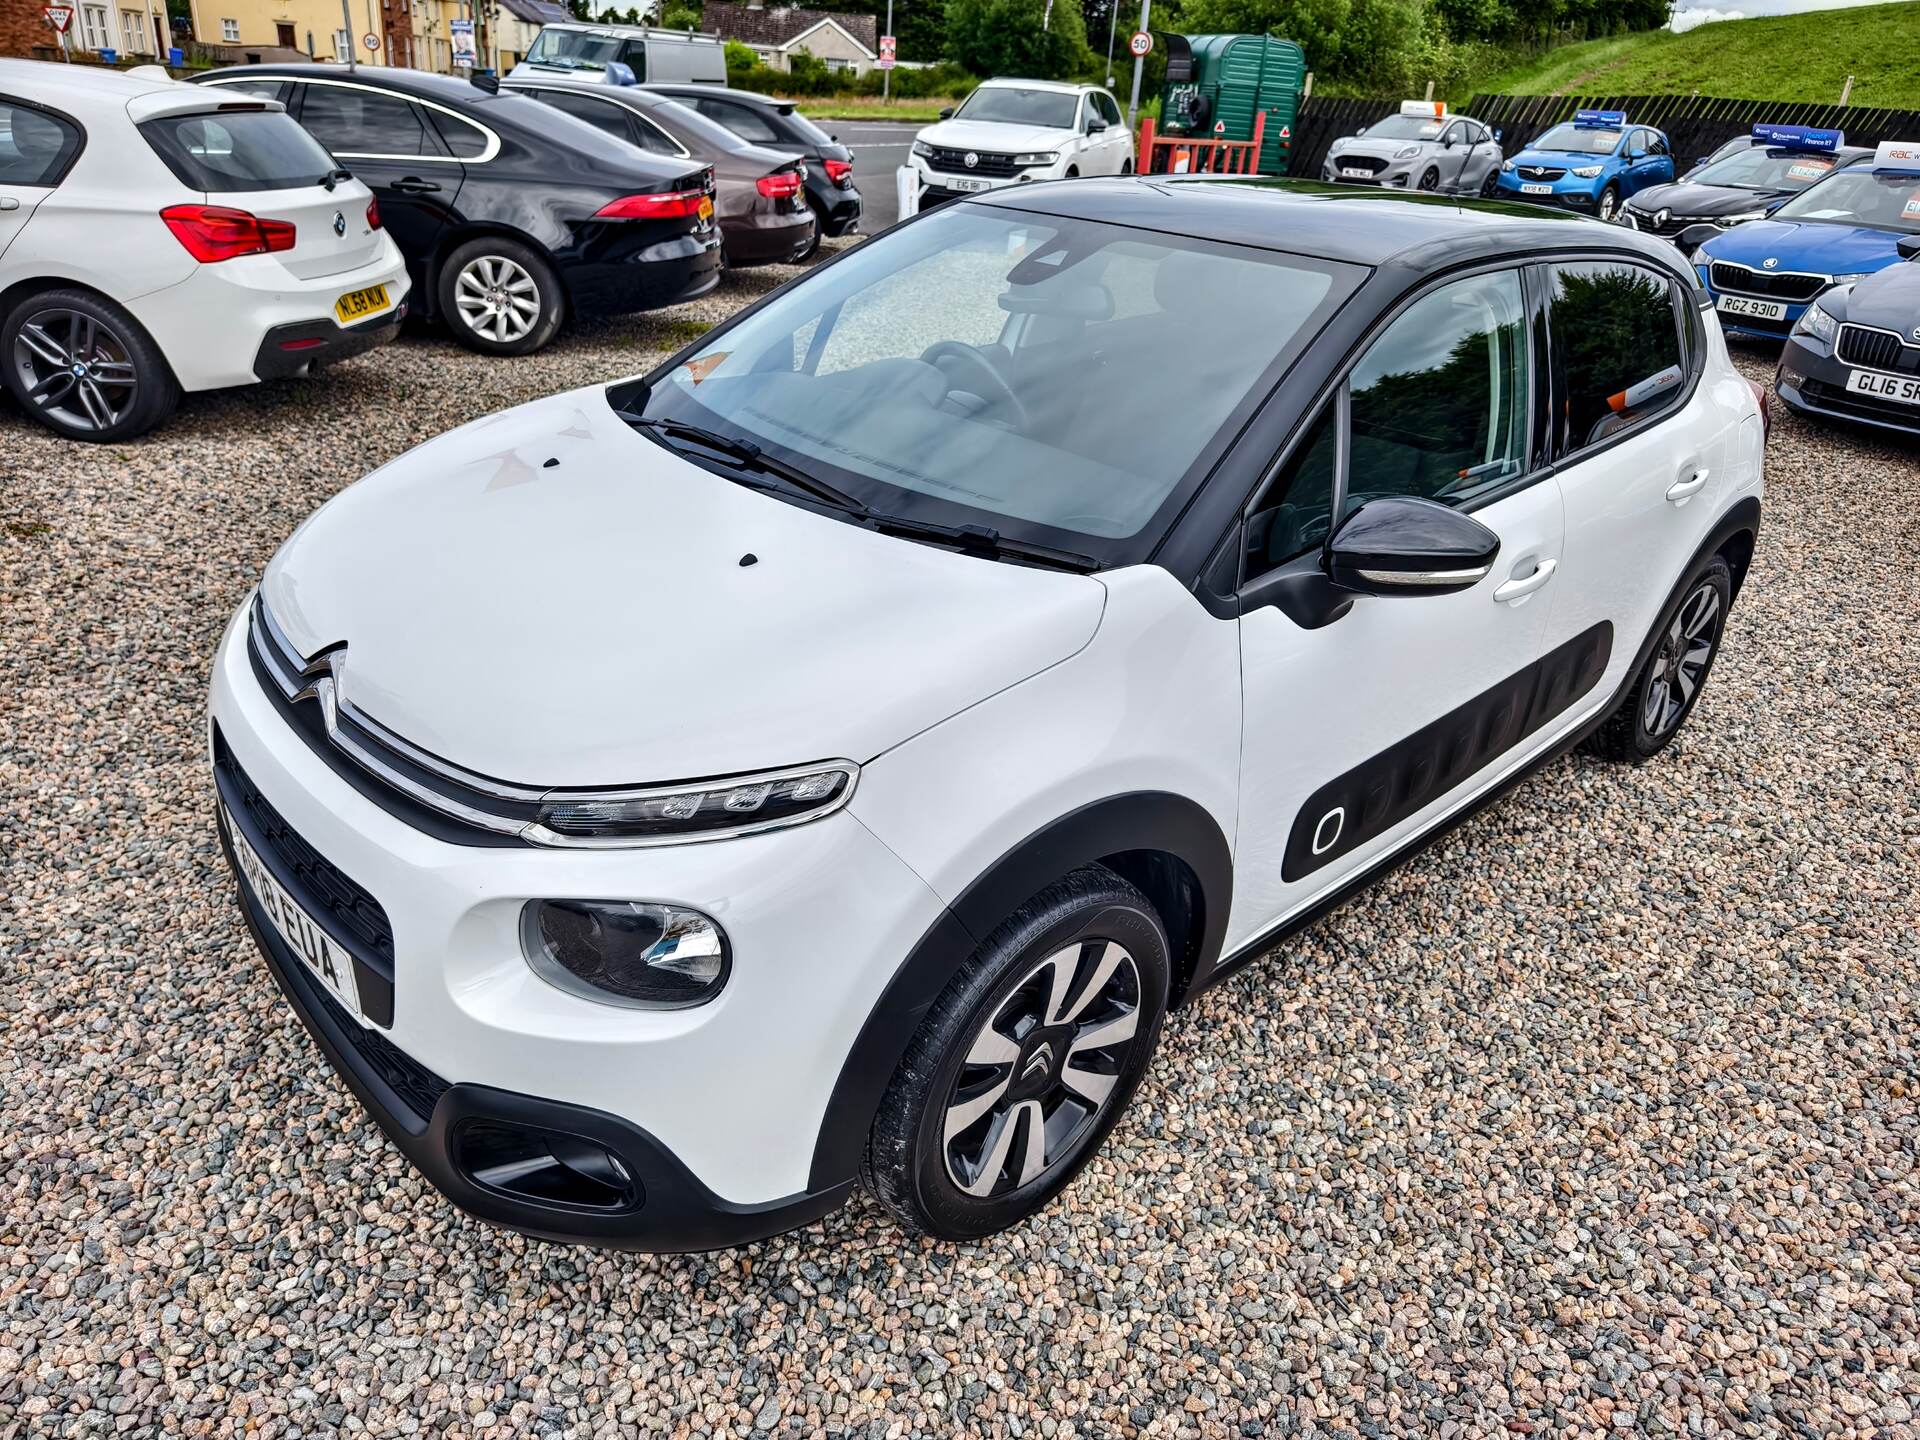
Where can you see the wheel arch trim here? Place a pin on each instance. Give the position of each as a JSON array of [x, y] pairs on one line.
[[1138, 821]]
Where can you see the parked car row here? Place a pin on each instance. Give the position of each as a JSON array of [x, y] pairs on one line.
[[159, 237]]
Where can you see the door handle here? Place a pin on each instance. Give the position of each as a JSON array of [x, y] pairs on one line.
[[1680, 490], [7, 202], [1524, 585], [411, 186]]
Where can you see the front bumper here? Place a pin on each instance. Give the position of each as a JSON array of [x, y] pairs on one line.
[[1813, 381], [936, 187], [1392, 175], [1752, 327], [714, 1113], [1568, 191]]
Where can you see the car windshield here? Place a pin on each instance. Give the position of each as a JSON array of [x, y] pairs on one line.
[[1404, 127], [1008, 105], [1767, 170], [238, 150], [574, 49], [1057, 381], [1578, 140], [1881, 199]]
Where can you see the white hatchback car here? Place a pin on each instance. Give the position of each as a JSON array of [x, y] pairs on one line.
[[826, 758], [158, 237], [1013, 132]]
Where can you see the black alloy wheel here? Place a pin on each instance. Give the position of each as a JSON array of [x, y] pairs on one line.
[[1669, 684]]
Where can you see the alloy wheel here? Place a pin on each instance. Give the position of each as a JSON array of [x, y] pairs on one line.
[[1607, 204], [1041, 1070], [75, 369], [1430, 178], [1680, 663], [497, 298]]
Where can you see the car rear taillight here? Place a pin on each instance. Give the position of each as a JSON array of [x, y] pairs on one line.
[[840, 172], [213, 233], [666, 205], [779, 185], [373, 214], [1761, 394]]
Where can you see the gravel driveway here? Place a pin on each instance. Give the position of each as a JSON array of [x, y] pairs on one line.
[[1599, 1116]]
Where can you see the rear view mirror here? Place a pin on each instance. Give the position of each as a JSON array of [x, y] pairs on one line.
[[1400, 545], [1095, 126], [946, 112], [1636, 155]]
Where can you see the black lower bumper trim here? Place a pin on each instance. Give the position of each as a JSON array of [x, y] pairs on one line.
[[321, 342], [666, 1209]]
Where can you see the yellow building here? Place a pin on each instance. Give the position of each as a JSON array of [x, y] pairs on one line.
[[322, 29]]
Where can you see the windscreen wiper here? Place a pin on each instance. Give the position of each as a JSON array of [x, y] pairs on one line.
[[983, 540], [749, 456]]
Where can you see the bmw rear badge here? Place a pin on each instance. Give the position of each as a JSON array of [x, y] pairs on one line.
[[1771, 262], [339, 223], [973, 159]]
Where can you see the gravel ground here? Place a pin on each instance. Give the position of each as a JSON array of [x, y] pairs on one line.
[[1599, 1117]]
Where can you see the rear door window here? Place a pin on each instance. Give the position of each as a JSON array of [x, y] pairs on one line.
[[349, 120], [238, 150], [35, 148], [1616, 349]]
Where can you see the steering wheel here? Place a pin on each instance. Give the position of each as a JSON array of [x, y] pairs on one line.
[[976, 361]]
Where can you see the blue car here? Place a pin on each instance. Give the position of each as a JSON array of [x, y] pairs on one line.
[[1590, 164], [1762, 275]]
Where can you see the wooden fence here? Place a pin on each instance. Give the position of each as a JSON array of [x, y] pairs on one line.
[[1695, 124]]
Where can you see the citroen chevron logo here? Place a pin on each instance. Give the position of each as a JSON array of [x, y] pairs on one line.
[[1039, 1062]]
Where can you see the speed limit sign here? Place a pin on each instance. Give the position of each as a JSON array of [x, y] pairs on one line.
[[1140, 43]]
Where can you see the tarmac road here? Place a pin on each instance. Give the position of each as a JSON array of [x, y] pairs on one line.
[[879, 148]]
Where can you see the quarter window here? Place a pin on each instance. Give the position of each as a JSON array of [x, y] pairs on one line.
[[1439, 402], [35, 147], [601, 114], [466, 140], [1294, 517], [1616, 349], [351, 121], [741, 120]]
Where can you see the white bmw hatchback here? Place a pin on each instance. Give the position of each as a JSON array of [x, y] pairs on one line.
[[157, 237], [825, 759]]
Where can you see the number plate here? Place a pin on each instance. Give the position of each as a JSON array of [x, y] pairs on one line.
[[1536, 189], [1904, 388], [962, 184], [1759, 309], [1349, 173], [330, 965], [359, 304]]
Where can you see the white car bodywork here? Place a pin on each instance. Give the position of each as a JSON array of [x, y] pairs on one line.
[[99, 228], [940, 157]]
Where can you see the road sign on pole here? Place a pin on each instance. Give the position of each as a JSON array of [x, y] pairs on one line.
[[1133, 101], [1139, 44], [887, 52], [58, 16]]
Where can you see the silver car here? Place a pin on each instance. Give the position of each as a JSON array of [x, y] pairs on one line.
[[1420, 148]]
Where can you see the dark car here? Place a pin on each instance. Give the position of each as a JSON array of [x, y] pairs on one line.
[[1854, 354], [764, 218], [512, 217], [1744, 184], [777, 125]]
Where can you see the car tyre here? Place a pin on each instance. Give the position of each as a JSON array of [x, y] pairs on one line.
[[1609, 205], [1430, 178], [126, 387], [1490, 186], [1025, 1061], [1665, 691], [501, 297]]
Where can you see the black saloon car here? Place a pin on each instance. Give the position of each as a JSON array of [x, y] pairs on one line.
[[777, 125], [512, 215]]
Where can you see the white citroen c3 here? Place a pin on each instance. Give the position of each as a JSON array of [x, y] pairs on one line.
[[157, 237], [824, 760]]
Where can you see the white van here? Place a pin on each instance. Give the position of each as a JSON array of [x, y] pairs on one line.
[[587, 52]]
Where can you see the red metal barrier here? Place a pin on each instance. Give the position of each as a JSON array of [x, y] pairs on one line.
[[1183, 155]]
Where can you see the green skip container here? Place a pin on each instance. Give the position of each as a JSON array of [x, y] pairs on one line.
[[1217, 83]]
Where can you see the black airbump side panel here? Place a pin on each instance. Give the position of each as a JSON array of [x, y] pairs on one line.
[[1378, 794]]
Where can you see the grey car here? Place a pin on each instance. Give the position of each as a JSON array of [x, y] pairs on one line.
[[1421, 148]]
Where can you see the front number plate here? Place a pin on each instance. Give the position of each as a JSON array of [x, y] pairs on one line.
[[359, 304], [1904, 388], [1536, 189], [1348, 172], [962, 184], [1758, 309], [330, 965]]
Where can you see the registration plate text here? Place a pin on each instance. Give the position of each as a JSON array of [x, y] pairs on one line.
[[1758, 309], [1904, 388], [322, 955], [1536, 189], [358, 304]]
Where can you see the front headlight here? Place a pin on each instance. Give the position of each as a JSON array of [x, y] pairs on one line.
[[1817, 323], [673, 815], [1406, 152], [1853, 278], [922, 148], [1588, 172], [1037, 157], [1741, 218], [631, 953], [1507, 167]]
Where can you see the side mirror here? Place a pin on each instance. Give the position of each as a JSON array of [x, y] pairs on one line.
[[1636, 154], [1096, 125], [1400, 545], [946, 112], [1908, 246], [1446, 142], [1694, 236]]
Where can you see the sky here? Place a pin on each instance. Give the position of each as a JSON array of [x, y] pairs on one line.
[[1687, 16]]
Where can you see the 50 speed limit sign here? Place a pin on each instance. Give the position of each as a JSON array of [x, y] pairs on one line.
[[1140, 43]]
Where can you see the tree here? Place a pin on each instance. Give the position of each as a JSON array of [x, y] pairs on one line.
[[1036, 39]]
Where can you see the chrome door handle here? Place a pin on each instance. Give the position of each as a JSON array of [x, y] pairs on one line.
[[1692, 485], [1526, 584]]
